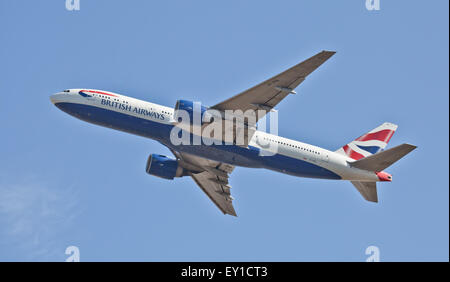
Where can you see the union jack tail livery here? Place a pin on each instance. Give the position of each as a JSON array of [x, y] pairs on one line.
[[370, 143]]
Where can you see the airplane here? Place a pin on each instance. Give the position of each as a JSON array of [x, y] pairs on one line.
[[362, 161]]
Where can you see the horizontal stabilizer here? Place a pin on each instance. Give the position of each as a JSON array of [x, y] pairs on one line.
[[368, 190], [384, 159]]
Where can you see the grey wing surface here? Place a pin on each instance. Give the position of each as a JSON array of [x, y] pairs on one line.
[[212, 177], [266, 95]]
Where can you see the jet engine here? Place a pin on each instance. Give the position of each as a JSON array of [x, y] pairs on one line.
[[191, 109], [164, 167], [236, 127]]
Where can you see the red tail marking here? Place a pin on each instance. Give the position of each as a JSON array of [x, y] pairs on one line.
[[382, 135], [352, 154]]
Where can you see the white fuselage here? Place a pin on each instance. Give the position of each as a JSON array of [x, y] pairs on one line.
[[154, 121]]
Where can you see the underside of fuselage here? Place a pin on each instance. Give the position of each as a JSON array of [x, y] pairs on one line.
[[235, 155]]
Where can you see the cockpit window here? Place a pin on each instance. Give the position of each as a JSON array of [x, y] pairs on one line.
[[67, 90]]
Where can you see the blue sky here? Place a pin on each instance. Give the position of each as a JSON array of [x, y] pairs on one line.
[[66, 182]]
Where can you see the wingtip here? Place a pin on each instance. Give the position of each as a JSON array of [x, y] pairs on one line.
[[231, 213], [413, 147]]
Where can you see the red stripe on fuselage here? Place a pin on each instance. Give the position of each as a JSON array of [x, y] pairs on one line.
[[382, 135], [99, 92]]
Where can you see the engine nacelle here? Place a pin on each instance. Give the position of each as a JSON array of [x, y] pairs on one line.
[[190, 108], [164, 167]]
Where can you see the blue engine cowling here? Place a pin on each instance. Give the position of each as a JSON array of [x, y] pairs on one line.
[[164, 167], [189, 107]]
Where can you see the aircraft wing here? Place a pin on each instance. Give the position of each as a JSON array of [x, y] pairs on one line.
[[266, 95], [367, 189], [212, 178]]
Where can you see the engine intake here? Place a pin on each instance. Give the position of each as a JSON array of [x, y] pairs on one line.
[[164, 167]]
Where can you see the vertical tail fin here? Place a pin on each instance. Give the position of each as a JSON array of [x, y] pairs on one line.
[[369, 143]]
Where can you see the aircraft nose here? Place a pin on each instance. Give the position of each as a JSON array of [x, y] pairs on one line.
[[57, 97], [53, 98]]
